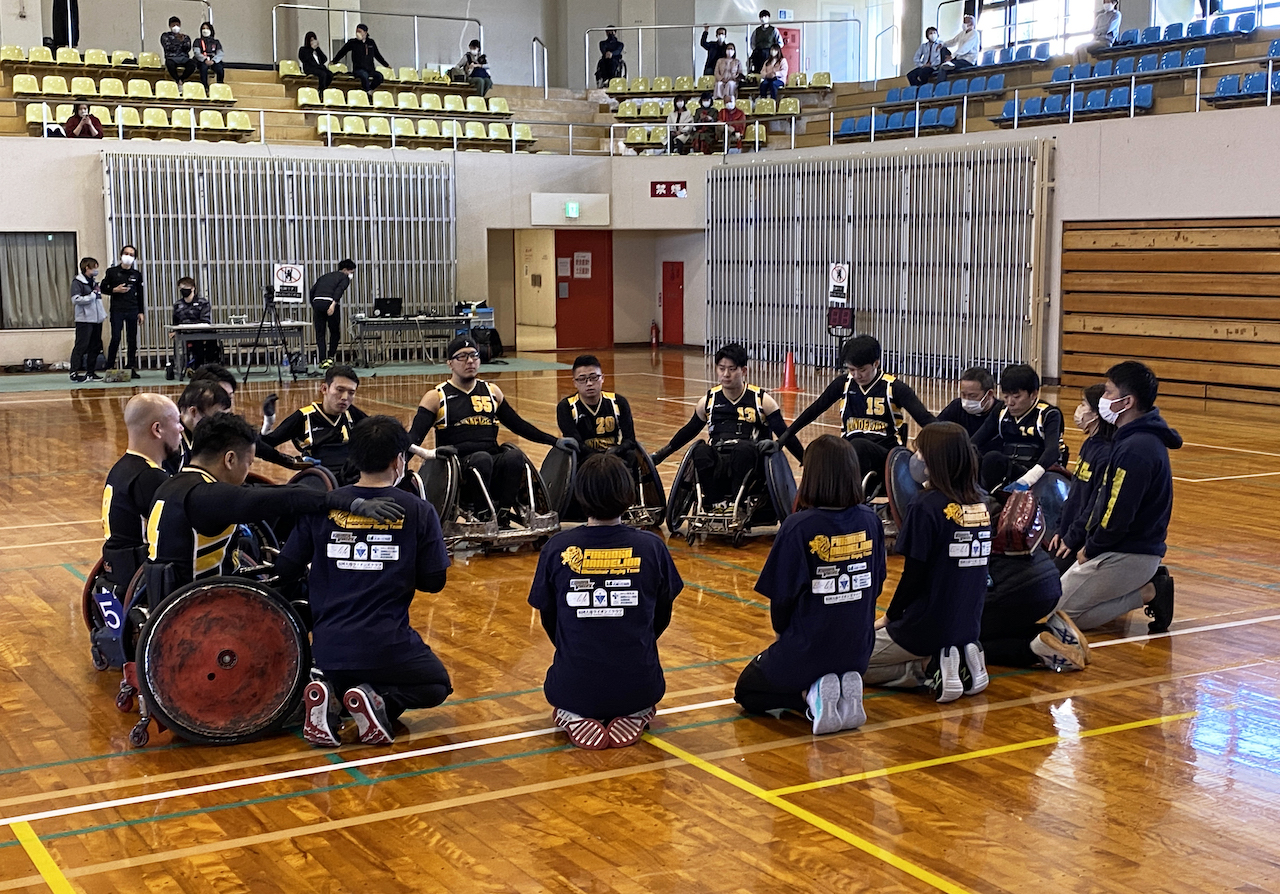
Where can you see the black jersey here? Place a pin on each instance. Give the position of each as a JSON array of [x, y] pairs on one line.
[[606, 425], [1026, 438], [466, 419], [173, 536], [126, 500], [872, 411], [317, 434], [176, 463], [736, 420]]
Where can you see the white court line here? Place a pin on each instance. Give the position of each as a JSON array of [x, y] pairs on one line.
[[1230, 449], [1225, 477], [81, 521], [50, 543], [1225, 625]]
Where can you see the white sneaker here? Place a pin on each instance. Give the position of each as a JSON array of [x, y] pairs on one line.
[[824, 705], [943, 676], [973, 669], [1065, 629], [1057, 655], [852, 713]]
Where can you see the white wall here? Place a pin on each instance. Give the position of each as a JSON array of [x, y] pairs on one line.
[[635, 285]]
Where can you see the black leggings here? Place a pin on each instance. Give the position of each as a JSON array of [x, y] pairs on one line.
[[502, 473], [871, 455], [420, 682], [327, 322], [721, 470], [126, 323], [323, 76], [757, 695]]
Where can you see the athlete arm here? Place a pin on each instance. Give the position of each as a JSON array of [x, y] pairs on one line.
[[906, 398], [564, 420], [686, 434], [778, 426], [292, 427], [215, 506], [826, 400], [625, 422], [270, 454], [516, 424], [988, 434], [1052, 454], [425, 418]]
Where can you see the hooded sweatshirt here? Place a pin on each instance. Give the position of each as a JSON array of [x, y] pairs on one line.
[[1135, 496]]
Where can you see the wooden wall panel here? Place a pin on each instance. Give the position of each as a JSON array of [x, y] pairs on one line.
[[1197, 300]]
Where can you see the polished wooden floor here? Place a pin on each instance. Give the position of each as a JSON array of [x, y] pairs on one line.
[[1153, 771]]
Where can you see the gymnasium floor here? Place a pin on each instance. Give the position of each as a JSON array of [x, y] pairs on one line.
[[1152, 771]]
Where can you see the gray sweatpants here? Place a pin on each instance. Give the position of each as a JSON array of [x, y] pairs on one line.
[[1105, 587], [892, 665]]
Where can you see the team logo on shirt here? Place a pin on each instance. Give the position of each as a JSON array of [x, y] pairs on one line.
[[840, 548], [600, 561], [344, 519], [970, 515]]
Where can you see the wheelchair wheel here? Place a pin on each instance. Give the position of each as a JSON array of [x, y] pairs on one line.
[[781, 483], [412, 482], [649, 488], [900, 487], [559, 469], [541, 496], [317, 477], [1051, 493], [223, 661], [680, 498], [440, 480], [88, 607]]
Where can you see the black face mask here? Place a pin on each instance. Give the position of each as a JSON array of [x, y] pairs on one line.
[[185, 293]]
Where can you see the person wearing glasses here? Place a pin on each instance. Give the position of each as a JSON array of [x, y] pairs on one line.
[[465, 413], [598, 420]]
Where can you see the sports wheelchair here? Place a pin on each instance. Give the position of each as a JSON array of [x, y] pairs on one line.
[[766, 496], [485, 526], [560, 471]]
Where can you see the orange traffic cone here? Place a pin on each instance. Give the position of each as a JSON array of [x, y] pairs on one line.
[[789, 375]]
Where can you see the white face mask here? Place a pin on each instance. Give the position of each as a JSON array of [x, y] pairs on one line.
[[919, 474], [1108, 6], [176, 29], [973, 407], [720, 38], [731, 104], [1084, 418], [92, 274], [764, 20], [126, 260], [706, 103], [206, 33], [1106, 409], [729, 53]]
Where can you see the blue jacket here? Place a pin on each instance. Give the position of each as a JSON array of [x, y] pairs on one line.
[[1135, 497]]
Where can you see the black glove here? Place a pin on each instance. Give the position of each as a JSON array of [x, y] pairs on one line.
[[767, 448], [569, 444], [659, 455], [305, 462], [269, 405], [383, 509], [446, 452]]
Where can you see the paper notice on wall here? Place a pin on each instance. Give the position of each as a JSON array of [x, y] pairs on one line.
[[582, 265], [562, 267]]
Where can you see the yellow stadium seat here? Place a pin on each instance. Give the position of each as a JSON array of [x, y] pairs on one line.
[[354, 124], [409, 75], [335, 97], [430, 76], [193, 91], [498, 106], [221, 93], [658, 135], [388, 74], [788, 105], [764, 106], [428, 129], [54, 85], [498, 131], [662, 85], [706, 82], [96, 57], [103, 114], [64, 111], [403, 128], [123, 57], [384, 99], [211, 119], [407, 100], [431, 102], [308, 96], [522, 132], [154, 118], [380, 127], [25, 83], [357, 99], [328, 124], [289, 68], [476, 105], [183, 118], [668, 106], [40, 54], [754, 131], [617, 85], [650, 108], [10, 53], [129, 117], [475, 130], [113, 87], [338, 67], [637, 135], [820, 79], [684, 84], [638, 85], [799, 79], [454, 103], [68, 56], [150, 60], [449, 130], [139, 88], [744, 103], [39, 112], [83, 87], [628, 109], [239, 121], [168, 90], [718, 105]]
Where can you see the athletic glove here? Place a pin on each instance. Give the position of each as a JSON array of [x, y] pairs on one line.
[[446, 452], [767, 448], [1029, 480], [381, 509], [305, 462], [569, 444]]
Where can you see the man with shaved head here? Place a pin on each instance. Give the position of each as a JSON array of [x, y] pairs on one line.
[[155, 435]]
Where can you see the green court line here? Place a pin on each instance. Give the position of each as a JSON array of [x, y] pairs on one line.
[[684, 550], [74, 570], [724, 595]]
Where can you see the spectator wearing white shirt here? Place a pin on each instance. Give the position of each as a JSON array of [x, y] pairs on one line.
[[965, 46], [928, 59], [1106, 31]]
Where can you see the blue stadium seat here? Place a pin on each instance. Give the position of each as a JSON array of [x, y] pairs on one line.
[[1095, 101], [909, 121], [1246, 22], [926, 91], [1042, 52], [909, 94], [1009, 106], [1173, 32], [1119, 98], [1254, 84], [1150, 35], [1053, 105], [1194, 57], [995, 82], [1031, 108], [1144, 97], [943, 89], [978, 84], [1171, 60], [1060, 75], [1005, 56], [1125, 66], [1148, 63], [1220, 25], [1081, 71], [1228, 87], [893, 95], [847, 125], [948, 117], [1077, 103], [1274, 51], [1198, 28], [1102, 69], [959, 87], [988, 58], [881, 122], [929, 118], [1275, 85], [894, 122], [1129, 37], [863, 125], [1023, 53]]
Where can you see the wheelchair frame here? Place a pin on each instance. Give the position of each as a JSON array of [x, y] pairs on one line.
[[560, 470], [756, 502]]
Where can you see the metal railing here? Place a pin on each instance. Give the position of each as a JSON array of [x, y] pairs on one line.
[[667, 145], [142, 19], [363, 15], [533, 46], [875, 53], [747, 27]]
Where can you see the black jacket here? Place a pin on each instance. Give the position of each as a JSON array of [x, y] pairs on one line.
[[612, 45], [331, 285], [310, 58], [127, 302], [1135, 496], [715, 52], [363, 53]]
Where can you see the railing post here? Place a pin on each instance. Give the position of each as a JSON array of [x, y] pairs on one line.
[[873, 124], [262, 126], [639, 53], [275, 39], [1071, 104], [1017, 107], [1133, 89], [964, 112], [917, 133], [831, 129], [142, 24], [1199, 72], [417, 58], [119, 123], [571, 138]]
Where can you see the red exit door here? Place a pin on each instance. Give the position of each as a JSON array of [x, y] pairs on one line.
[[673, 302], [584, 289]]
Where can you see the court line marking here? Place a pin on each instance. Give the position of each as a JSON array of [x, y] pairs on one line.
[[1226, 478], [1225, 625], [979, 754], [862, 844], [58, 524], [1229, 449], [50, 543], [40, 856]]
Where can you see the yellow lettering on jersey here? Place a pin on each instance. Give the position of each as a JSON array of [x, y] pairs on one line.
[[106, 511], [349, 520], [842, 547], [600, 561], [1084, 471], [474, 420], [153, 528], [481, 403], [970, 515], [875, 406], [868, 425], [606, 424]]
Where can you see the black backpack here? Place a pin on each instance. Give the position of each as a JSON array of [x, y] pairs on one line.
[[489, 342]]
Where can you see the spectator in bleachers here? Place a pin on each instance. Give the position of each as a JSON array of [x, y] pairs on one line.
[[1209, 8], [928, 59], [737, 121], [470, 59], [680, 129], [613, 47], [604, 70], [773, 77], [82, 124], [314, 62], [364, 58], [86, 295], [965, 46], [705, 137], [1106, 31], [729, 71], [762, 39], [480, 78], [177, 51], [715, 51], [208, 50]]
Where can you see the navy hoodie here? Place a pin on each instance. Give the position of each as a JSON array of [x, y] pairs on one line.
[[1135, 496], [1095, 454]]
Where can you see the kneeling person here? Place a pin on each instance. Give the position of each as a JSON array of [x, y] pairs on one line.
[[363, 577], [322, 430], [605, 592]]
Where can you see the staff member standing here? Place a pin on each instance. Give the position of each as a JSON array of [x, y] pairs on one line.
[[325, 295], [123, 283]]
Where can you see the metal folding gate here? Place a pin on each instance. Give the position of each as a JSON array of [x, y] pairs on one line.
[[225, 221], [946, 251]]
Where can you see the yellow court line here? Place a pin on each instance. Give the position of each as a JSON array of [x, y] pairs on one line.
[[812, 819], [40, 856], [980, 753]]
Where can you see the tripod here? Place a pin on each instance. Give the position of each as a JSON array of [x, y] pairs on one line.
[[269, 324]]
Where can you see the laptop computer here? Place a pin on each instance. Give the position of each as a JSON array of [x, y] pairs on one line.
[[388, 307]]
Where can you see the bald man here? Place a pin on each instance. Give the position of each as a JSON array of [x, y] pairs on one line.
[[155, 435]]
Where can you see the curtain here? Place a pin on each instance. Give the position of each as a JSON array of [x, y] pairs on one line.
[[36, 270]]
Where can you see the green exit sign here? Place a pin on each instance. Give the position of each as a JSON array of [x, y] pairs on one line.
[[571, 211]]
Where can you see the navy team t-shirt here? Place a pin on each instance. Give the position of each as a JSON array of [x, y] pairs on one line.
[[954, 541], [604, 582], [363, 576], [822, 578]]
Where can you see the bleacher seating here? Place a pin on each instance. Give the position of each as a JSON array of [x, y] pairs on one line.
[[898, 124], [666, 87], [1219, 28], [1055, 109]]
